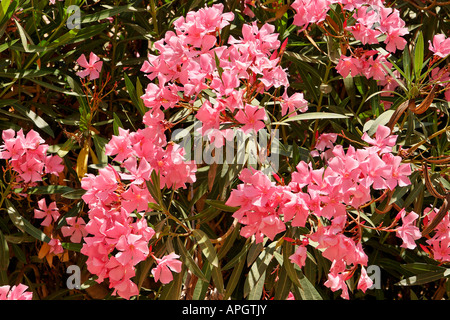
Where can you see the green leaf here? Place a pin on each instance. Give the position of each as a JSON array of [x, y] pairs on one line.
[[189, 262], [283, 285], [201, 287], [288, 265], [221, 205], [418, 55], [95, 17], [235, 277], [307, 289], [419, 267], [23, 224], [133, 95], [219, 68], [51, 189], [24, 37], [100, 143], [228, 243], [207, 247], [210, 253], [74, 194], [116, 124], [4, 257], [72, 246], [313, 116], [407, 65], [38, 121], [257, 290], [257, 271], [424, 277], [237, 258], [381, 120]]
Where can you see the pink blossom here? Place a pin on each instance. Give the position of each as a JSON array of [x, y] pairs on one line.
[[27, 155], [133, 249], [294, 103], [396, 173], [364, 34], [299, 257], [383, 141], [440, 46], [308, 11], [55, 246], [119, 145], [75, 229], [165, 265], [120, 278], [348, 65], [49, 214], [92, 68], [364, 282], [394, 39], [440, 241], [252, 117], [15, 293], [53, 164], [336, 281], [408, 232], [271, 226], [136, 198]]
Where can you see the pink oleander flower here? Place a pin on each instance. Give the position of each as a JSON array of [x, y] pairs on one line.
[[15, 293], [75, 229], [395, 173], [408, 232], [92, 68], [394, 39], [440, 45], [309, 11], [55, 246], [299, 257], [252, 117], [292, 104], [364, 282], [165, 266], [383, 141], [349, 65], [337, 277], [49, 214], [440, 241], [133, 248]]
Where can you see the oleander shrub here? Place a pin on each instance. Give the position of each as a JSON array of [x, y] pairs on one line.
[[224, 150]]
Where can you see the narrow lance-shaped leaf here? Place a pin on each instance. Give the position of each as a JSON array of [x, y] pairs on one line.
[[189, 262], [23, 224]]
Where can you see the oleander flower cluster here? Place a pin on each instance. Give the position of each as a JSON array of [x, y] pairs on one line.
[[345, 183], [118, 200], [27, 156], [372, 21], [191, 59], [439, 243]]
